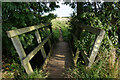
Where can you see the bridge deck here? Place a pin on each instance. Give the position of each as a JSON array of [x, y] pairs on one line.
[[60, 59]]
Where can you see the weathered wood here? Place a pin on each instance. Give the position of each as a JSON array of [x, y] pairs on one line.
[[39, 40], [48, 58], [95, 47], [31, 54], [21, 53], [89, 28], [16, 32], [50, 27], [49, 42], [76, 56]]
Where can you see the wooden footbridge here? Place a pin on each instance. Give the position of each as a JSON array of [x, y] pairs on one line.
[[60, 56]]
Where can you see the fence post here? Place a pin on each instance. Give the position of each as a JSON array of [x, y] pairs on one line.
[[21, 53], [39, 40]]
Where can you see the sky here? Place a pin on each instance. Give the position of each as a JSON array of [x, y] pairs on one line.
[[63, 11]]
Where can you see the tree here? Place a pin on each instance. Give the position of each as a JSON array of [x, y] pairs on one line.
[[20, 14]]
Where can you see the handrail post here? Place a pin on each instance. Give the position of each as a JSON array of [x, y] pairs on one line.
[[13, 34], [21, 53], [49, 41], [39, 40]]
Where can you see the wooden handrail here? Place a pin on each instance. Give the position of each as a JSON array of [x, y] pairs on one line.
[[32, 53], [100, 35], [13, 34], [16, 32], [91, 29]]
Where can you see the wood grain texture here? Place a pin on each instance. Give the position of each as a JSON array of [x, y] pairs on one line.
[[21, 53], [39, 40], [95, 47], [16, 32], [32, 53]]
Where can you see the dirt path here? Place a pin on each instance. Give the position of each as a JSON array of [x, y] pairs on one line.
[[60, 59]]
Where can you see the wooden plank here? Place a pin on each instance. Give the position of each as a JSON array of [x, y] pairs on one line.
[[18, 46], [76, 56], [39, 40], [32, 53], [90, 29], [48, 58], [16, 32], [95, 47]]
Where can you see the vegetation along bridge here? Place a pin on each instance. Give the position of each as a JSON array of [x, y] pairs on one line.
[[59, 56]]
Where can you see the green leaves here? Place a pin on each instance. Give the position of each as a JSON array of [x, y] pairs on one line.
[[107, 18]]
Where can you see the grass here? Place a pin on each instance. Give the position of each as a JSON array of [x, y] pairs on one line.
[[15, 70], [64, 25], [100, 69]]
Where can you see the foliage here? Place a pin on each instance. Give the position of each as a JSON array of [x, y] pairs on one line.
[[64, 25], [106, 18], [17, 15], [15, 70]]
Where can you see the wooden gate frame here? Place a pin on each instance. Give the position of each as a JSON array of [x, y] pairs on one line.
[[100, 35], [13, 34]]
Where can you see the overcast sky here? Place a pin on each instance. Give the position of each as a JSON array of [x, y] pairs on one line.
[[63, 11]]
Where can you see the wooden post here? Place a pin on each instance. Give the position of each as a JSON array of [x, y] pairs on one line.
[[95, 47], [49, 42], [52, 35], [50, 29], [21, 53], [39, 40], [76, 56]]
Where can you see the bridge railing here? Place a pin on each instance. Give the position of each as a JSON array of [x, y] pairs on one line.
[[95, 48], [14, 35]]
